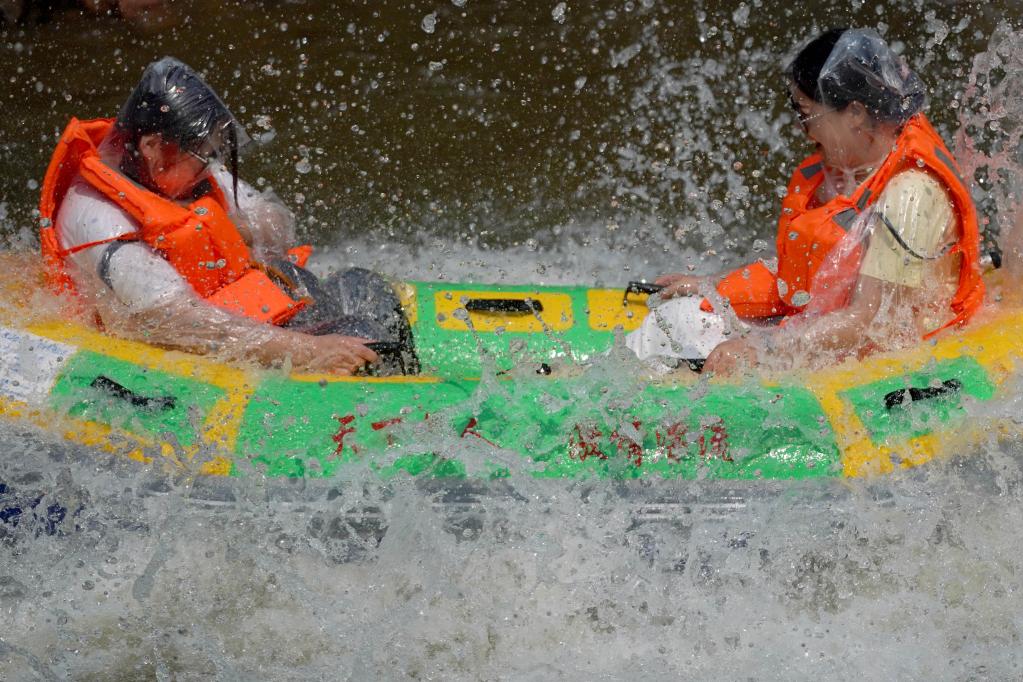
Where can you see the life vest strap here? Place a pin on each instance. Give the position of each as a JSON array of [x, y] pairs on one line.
[[78, 248], [254, 295]]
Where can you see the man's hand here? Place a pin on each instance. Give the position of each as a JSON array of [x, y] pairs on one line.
[[731, 357], [337, 354], [677, 284]]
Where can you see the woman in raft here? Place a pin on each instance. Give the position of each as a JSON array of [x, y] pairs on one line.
[[877, 241], [145, 218]]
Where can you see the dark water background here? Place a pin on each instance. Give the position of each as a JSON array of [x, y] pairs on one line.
[[502, 123]]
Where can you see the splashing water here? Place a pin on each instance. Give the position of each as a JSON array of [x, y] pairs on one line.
[[152, 578], [989, 141]]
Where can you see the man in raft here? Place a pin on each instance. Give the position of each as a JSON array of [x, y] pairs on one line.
[[877, 240], [145, 218]]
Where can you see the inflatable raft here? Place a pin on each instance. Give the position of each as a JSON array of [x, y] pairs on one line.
[[196, 415]]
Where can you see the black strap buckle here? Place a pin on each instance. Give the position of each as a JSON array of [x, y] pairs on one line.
[[636, 287]]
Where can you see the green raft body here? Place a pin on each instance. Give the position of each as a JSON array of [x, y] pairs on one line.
[[599, 421]]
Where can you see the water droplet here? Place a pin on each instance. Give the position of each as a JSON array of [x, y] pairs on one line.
[[741, 15], [558, 13], [429, 22], [32, 184], [303, 166]]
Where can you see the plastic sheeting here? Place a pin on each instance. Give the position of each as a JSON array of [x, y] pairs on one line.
[[171, 99], [863, 68]]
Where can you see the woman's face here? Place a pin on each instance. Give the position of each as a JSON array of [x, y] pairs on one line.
[[174, 171], [838, 134]]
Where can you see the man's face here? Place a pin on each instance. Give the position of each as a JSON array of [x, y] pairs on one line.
[[174, 171]]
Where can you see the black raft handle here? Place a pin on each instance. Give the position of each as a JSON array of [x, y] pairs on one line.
[[913, 394], [390, 349], [108, 385], [508, 306], [639, 288]]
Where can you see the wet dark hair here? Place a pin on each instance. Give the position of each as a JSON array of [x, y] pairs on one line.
[[860, 77], [173, 101], [805, 69]]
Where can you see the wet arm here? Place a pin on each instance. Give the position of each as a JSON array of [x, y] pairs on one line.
[[840, 332], [155, 305], [191, 324]]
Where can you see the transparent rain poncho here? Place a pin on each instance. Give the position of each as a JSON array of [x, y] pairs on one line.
[[136, 292], [863, 68], [860, 91], [890, 280], [140, 296], [173, 101], [893, 291]]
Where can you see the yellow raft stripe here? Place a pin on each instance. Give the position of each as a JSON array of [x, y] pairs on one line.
[[186, 365], [179, 364], [995, 344], [85, 433], [223, 422], [112, 440], [606, 310], [408, 297]]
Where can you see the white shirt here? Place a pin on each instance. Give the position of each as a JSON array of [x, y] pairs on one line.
[[140, 278]]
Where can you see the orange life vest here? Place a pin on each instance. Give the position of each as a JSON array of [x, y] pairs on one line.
[[807, 233], [199, 240]]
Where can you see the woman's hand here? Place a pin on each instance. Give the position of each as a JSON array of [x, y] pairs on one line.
[[677, 284], [731, 357]]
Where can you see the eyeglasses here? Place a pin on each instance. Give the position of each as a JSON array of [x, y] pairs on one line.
[[205, 160], [801, 116]]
